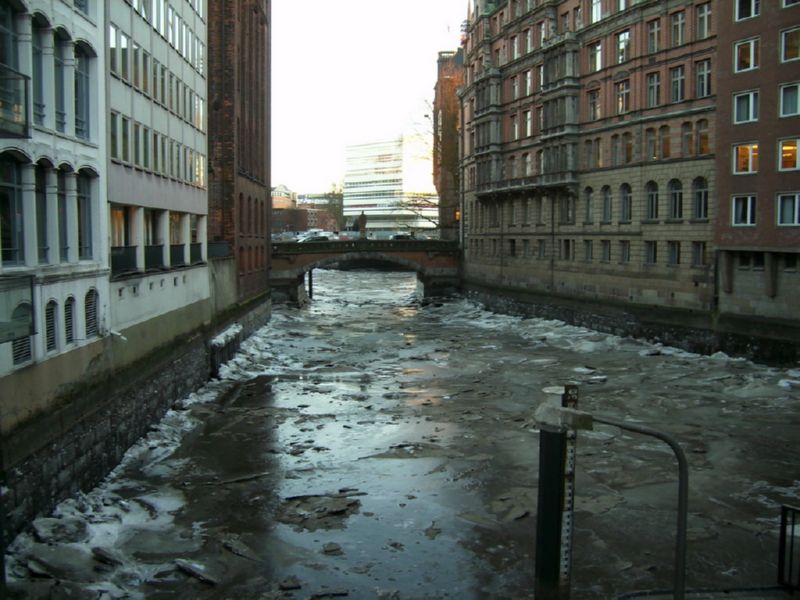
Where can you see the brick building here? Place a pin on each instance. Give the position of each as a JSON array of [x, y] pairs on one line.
[[758, 171], [446, 120], [239, 139], [588, 149]]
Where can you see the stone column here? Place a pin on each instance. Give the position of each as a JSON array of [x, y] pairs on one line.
[[137, 234], [69, 86], [48, 79], [51, 193], [72, 217], [162, 235], [202, 236], [30, 246], [186, 238]]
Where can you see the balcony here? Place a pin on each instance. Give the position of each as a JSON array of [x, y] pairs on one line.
[[153, 257], [123, 259], [176, 257], [14, 90]]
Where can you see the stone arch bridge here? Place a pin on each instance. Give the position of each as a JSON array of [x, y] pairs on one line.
[[436, 262]]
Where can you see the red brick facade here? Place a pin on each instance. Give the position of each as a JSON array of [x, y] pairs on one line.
[[239, 199]]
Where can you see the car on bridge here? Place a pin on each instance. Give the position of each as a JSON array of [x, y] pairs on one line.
[[314, 238]]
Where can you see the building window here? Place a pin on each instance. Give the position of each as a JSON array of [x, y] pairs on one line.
[[788, 3], [627, 144], [678, 29], [528, 123], [746, 9], [789, 209], [82, 94], [50, 329], [653, 36], [650, 253], [746, 55], [745, 107], [594, 105], [605, 251], [113, 52], [664, 140], [788, 155], [653, 89], [607, 205], [69, 320], [37, 75], [790, 100], [675, 200], [651, 200], [698, 254], [700, 194], [678, 84], [790, 44], [588, 250], [623, 46], [704, 21], [595, 57], [124, 60], [12, 226], [744, 210], [40, 181], [514, 88], [588, 195], [84, 189], [61, 193], [673, 253], [528, 83], [60, 83], [686, 139], [626, 203], [650, 144], [703, 70], [703, 137], [90, 312], [624, 251], [616, 157], [623, 93], [745, 158], [21, 348], [125, 141], [514, 128], [597, 11]]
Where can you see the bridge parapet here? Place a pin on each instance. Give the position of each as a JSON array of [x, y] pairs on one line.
[[440, 246]]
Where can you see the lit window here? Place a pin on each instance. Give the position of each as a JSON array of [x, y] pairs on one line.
[[623, 93], [746, 55], [789, 209], [790, 44], [623, 46], [594, 105], [744, 210], [745, 107], [788, 155], [790, 100], [746, 9], [745, 158]]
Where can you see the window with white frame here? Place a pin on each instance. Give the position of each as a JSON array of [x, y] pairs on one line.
[[595, 57], [743, 210], [788, 3], [745, 107], [787, 152], [623, 95], [528, 123], [597, 11], [528, 83], [678, 29], [593, 99], [703, 21], [790, 44], [746, 9], [11, 212], [675, 200], [50, 326], [746, 55], [623, 46], [653, 35], [653, 89], [789, 208], [703, 84], [745, 158], [677, 84], [790, 100], [651, 201], [514, 88]]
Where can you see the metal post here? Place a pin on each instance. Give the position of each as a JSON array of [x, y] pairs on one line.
[[679, 575], [311, 283], [555, 507]]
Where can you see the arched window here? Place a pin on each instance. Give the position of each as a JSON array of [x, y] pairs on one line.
[[703, 139], [651, 200], [675, 199], [607, 205], [700, 195], [21, 347], [650, 144], [626, 203], [12, 235], [50, 329], [69, 320], [82, 93], [84, 188], [686, 139], [90, 312]]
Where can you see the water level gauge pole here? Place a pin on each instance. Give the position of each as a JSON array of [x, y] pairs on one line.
[[556, 495]]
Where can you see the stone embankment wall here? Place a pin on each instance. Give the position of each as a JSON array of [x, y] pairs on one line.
[[765, 341], [74, 446]]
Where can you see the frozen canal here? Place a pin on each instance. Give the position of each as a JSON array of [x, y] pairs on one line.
[[371, 446]]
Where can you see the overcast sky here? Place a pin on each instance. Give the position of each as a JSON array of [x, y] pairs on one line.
[[350, 72]]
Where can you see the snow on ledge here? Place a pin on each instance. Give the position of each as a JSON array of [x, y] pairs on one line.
[[226, 336]]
